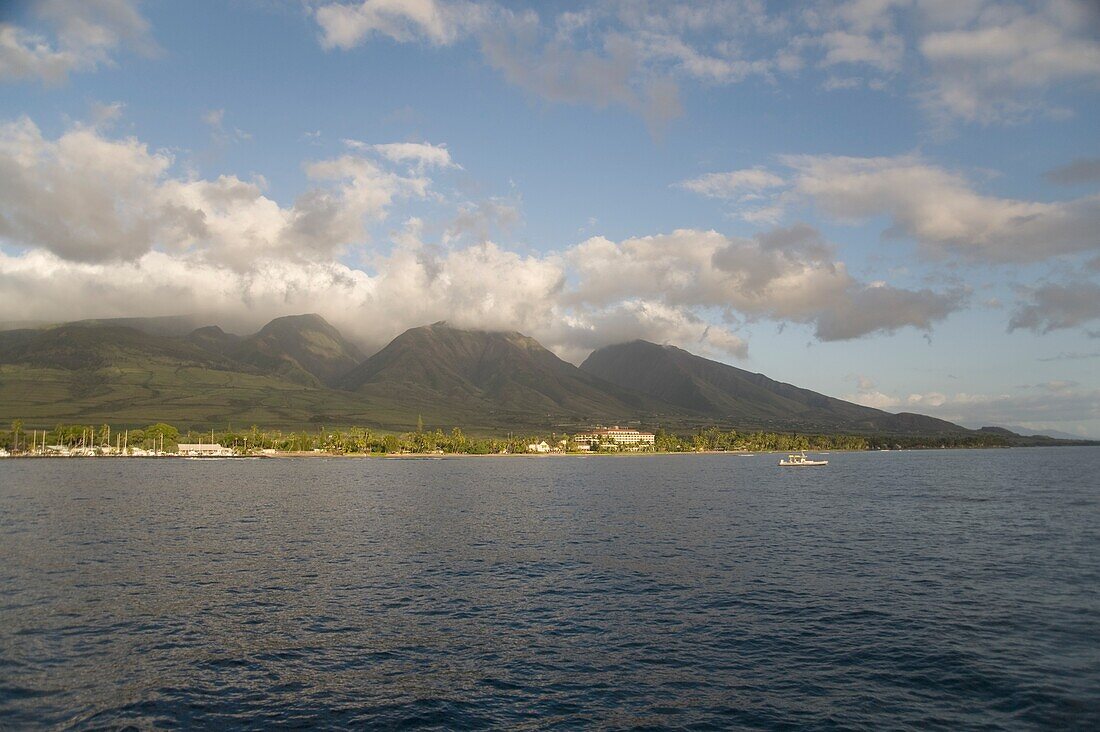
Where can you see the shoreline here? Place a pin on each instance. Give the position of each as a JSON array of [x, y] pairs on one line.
[[452, 456], [386, 456]]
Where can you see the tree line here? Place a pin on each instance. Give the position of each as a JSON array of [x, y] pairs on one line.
[[362, 440]]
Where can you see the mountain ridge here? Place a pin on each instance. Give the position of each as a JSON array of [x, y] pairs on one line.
[[742, 398], [306, 349], [299, 370], [501, 371]]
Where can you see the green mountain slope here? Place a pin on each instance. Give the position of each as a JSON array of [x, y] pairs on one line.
[[506, 377], [88, 373], [304, 349], [299, 371], [243, 352], [168, 326], [479, 381], [311, 343], [80, 347], [741, 398]]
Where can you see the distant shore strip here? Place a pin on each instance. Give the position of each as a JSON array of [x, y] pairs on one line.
[[164, 440]]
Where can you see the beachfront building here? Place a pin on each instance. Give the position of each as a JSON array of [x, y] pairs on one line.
[[615, 438], [539, 447], [190, 449]]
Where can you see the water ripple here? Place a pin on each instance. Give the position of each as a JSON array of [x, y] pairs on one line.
[[939, 590]]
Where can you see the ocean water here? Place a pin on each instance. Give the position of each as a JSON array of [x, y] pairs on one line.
[[918, 590]]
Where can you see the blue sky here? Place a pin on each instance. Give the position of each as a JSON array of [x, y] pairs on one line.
[[888, 201]]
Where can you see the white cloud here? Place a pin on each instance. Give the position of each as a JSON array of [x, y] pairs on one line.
[[579, 331], [762, 215], [734, 16], [544, 60], [732, 184], [882, 53], [441, 23], [868, 16], [87, 197], [868, 395], [480, 286], [748, 187], [979, 61], [106, 114], [691, 61], [976, 60], [82, 196], [1057, 404], [421, 154], [480, 219], [106, 222], [612, 54], [998, 65], [86, 35], [611, 74], [942, 211], [784, 275], [214, 117]]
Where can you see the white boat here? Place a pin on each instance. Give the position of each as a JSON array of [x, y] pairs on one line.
[[799, 460]]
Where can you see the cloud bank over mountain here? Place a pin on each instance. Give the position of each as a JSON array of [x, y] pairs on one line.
[[108, 222]]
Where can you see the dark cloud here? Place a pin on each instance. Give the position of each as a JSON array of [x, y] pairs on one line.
[[480, 219], [613, 75], [1072, 356], [800, 238], [1081, 170], [886, 309], [1058, 306]]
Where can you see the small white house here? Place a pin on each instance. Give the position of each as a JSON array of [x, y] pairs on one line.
[[539, 447], [190, 449]]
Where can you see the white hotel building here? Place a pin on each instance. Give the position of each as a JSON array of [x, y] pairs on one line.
[[616, 436], [191, 449]]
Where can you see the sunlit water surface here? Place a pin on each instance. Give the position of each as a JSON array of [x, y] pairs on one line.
[[940, 589]]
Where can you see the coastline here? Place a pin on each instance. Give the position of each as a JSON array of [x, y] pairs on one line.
[[310, 455]]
